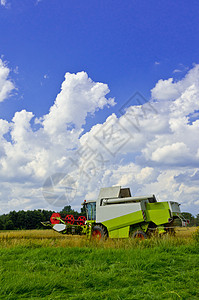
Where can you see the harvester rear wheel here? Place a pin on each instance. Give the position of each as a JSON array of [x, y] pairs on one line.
[[99, 233], [139, 234]]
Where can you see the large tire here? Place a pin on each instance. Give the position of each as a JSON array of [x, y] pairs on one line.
[[99, 233], [139, 234]]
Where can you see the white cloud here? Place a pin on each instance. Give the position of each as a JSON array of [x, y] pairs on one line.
[[3, 2], [170, 90], [165, 90], [174, 153], [6, 85], [153, 148], [181, 68], [177, 71], [79, 96]]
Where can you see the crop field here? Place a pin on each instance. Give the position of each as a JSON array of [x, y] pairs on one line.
[[42, 264]]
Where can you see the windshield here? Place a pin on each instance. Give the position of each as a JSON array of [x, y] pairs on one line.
[[91, 211]]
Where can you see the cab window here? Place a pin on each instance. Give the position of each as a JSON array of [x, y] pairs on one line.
[[91, 211]]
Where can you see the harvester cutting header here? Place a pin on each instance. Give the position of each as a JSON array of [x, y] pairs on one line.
[[115, 214]]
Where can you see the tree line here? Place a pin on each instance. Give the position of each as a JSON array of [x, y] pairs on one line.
[[32, 219]]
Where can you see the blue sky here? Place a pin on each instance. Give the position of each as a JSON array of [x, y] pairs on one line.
[[128, 45], [115, 42]]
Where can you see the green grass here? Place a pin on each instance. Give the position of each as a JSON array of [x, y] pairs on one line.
[[140, 270]]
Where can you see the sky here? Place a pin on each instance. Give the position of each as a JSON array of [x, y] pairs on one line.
[[96, 94]]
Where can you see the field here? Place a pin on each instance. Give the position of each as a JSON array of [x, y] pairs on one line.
[[42, 264]]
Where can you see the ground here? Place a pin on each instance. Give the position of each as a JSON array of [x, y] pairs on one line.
[[46, 265]]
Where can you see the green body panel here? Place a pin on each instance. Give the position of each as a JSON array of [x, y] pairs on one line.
[[124, 221], [120, 233], [157, 213], [157, 205]]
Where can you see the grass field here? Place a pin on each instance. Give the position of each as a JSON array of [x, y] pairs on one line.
[[42, 264]]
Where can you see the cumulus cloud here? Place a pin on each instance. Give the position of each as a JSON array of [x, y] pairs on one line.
[[30, 156], [170, 90], [6, 85], [79, 96], [152, 147], [173, 154], [166, 90]]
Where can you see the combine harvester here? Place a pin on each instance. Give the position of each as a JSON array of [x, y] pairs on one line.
[[115, 214]]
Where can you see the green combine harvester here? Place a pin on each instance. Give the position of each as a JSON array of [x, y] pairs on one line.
[[115, 214]]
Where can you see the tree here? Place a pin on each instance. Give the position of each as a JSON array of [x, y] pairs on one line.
[[13, 217], [9, 225], [83, 210], [1, 225], [67, 210], [197, 220]]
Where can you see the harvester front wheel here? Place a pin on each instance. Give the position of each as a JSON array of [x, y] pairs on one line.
[[139, 234], [99, 233]]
